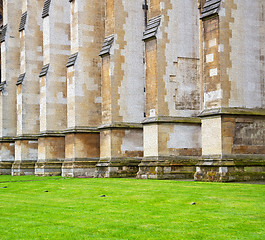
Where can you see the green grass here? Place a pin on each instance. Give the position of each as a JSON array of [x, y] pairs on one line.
[[132, 209]]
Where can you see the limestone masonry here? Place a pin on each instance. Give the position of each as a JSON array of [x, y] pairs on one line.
[[161, 89]]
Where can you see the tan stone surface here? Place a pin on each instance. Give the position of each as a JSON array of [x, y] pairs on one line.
[[82, 145], [56, 49], [190, 99], [9, 68]]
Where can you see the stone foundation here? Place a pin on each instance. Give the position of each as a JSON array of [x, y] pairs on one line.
[[49, 168], [25, 167], [231, 168], [81, 153], [7, 156], [233, 143], [51, 153], [171, 167], [26, 156], [117, 167], [79, 167], [5, 167], [121, 150]]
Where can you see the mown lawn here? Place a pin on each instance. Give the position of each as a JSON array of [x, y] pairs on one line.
[[132, 209]]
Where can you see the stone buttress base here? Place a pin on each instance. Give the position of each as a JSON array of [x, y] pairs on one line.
[[117, 167], [5, 167], [233, 145], [171, 167], [121, 150], [25, 167], [7, 157], [79, 167], [51, 153], [231, 168], [172, 146], [26, 156], [81, 153], [49, 167]]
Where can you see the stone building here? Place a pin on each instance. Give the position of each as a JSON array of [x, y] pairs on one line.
[[161, 89]]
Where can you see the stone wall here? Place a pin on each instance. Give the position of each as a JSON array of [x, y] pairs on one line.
[[112, 88], [233, 85]]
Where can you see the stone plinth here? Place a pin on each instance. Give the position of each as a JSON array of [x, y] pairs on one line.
[[51, 154], [81, 154], [26, 152], [121, 150], [233, 143], [172, 147], [7, 156]]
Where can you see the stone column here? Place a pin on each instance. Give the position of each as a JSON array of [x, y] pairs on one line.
[[28, 108], [121, 145], [172, 136], [53, 116], [83, 88], [233, 116], [9, 74]]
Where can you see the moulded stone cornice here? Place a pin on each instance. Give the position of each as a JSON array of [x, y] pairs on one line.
[[167, 119], [121, 125], [51, 134], [81, 130], [242, 158], [119, 161], [27, 137], [7, 139], [190, 160], [232, 111]]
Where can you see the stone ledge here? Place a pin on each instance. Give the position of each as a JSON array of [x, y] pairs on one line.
[[51, 134], [6, 161], [24, 161], [119, 161], [232, 157], [26, 137], [72, 160], [167, 119], [7, 139], [47, 161], [121, 125], [81, 130], [171, 157], [232, 111]]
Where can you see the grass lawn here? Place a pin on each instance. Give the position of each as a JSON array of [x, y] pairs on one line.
[[132, 209]]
